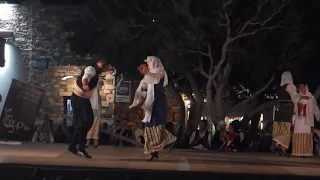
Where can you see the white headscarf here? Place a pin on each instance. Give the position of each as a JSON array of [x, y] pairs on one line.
[[221, 123], [156, 70], [312, 107], [286, 78]]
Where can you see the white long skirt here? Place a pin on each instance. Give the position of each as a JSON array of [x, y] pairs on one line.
[[302, 142]]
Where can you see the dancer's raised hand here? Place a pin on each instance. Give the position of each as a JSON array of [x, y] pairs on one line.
[[85, 87]]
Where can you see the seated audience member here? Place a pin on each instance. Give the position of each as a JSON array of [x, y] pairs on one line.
[[104, 138], [265, 143], [183, 142], [44, 131], [170, 127], [59, 134], [201, 139], [233, 139], [219, 136], [138, 134], [125, 131]]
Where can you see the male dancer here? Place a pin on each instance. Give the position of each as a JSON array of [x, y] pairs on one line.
[[82, 111]]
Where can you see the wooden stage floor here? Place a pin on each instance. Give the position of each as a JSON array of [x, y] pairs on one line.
[[56, 155]]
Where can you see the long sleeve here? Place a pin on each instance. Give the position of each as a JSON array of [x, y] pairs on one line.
[[148, 103], [140, 94], [292, 90], [209, 139], [100, 84], [192, 137], [35, 137], [316, 109], [89, 72]]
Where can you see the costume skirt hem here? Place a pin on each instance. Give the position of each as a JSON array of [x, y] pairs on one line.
[[156, 138]]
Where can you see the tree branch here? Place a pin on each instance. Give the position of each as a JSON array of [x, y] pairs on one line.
[[262, 107], [201, 70], [255, 94], [254, 32], [254, 21]]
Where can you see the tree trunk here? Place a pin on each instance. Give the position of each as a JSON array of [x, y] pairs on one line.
[[247, 116], [176, 95], [192, 110], [219, 106], [196, 117], [254, 123]]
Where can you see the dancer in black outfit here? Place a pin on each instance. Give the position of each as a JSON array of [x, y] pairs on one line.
[[81, 106]]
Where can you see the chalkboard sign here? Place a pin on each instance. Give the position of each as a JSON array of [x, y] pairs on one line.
[[20, 111], [123, 92], [41, 63]]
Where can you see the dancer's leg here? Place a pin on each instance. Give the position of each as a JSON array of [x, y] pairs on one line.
[[87, 115]]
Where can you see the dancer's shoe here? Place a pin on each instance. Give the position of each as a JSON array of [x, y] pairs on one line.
[[73, 149], [154, 156], [84, 154]]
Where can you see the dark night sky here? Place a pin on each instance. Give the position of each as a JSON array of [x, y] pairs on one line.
[[307, 72]]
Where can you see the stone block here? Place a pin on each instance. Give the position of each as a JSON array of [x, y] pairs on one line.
[[50, 100], [105, 104], [109, 76], [110, 98], [108, 82], [107, 91], [56, 104], [102, 94], [65, 93], [108, 87], [72, 86]]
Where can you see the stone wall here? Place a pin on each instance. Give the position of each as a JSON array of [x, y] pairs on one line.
[[56, 89], [38, 31]]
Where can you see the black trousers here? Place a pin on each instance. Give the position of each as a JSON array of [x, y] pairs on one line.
[[82, 120]]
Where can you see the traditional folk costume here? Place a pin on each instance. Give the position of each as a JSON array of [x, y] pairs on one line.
[[305, 111], [200, 140], [83, 116], [287, 96], [95, 101], [152, 89]]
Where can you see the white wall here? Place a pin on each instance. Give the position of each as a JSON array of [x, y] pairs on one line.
[[13, 69]]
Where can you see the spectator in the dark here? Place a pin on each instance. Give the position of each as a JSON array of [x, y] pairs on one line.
[[220, 136], [183, 142], [44, 131], [138, 133], [201, 139], [125, 131], [59, 134], [104, 138], [170, 127], [233, 139], [266, 140]]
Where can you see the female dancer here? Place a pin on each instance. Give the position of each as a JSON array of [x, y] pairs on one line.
[[152, 89], [287, 97], [305, 110]]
